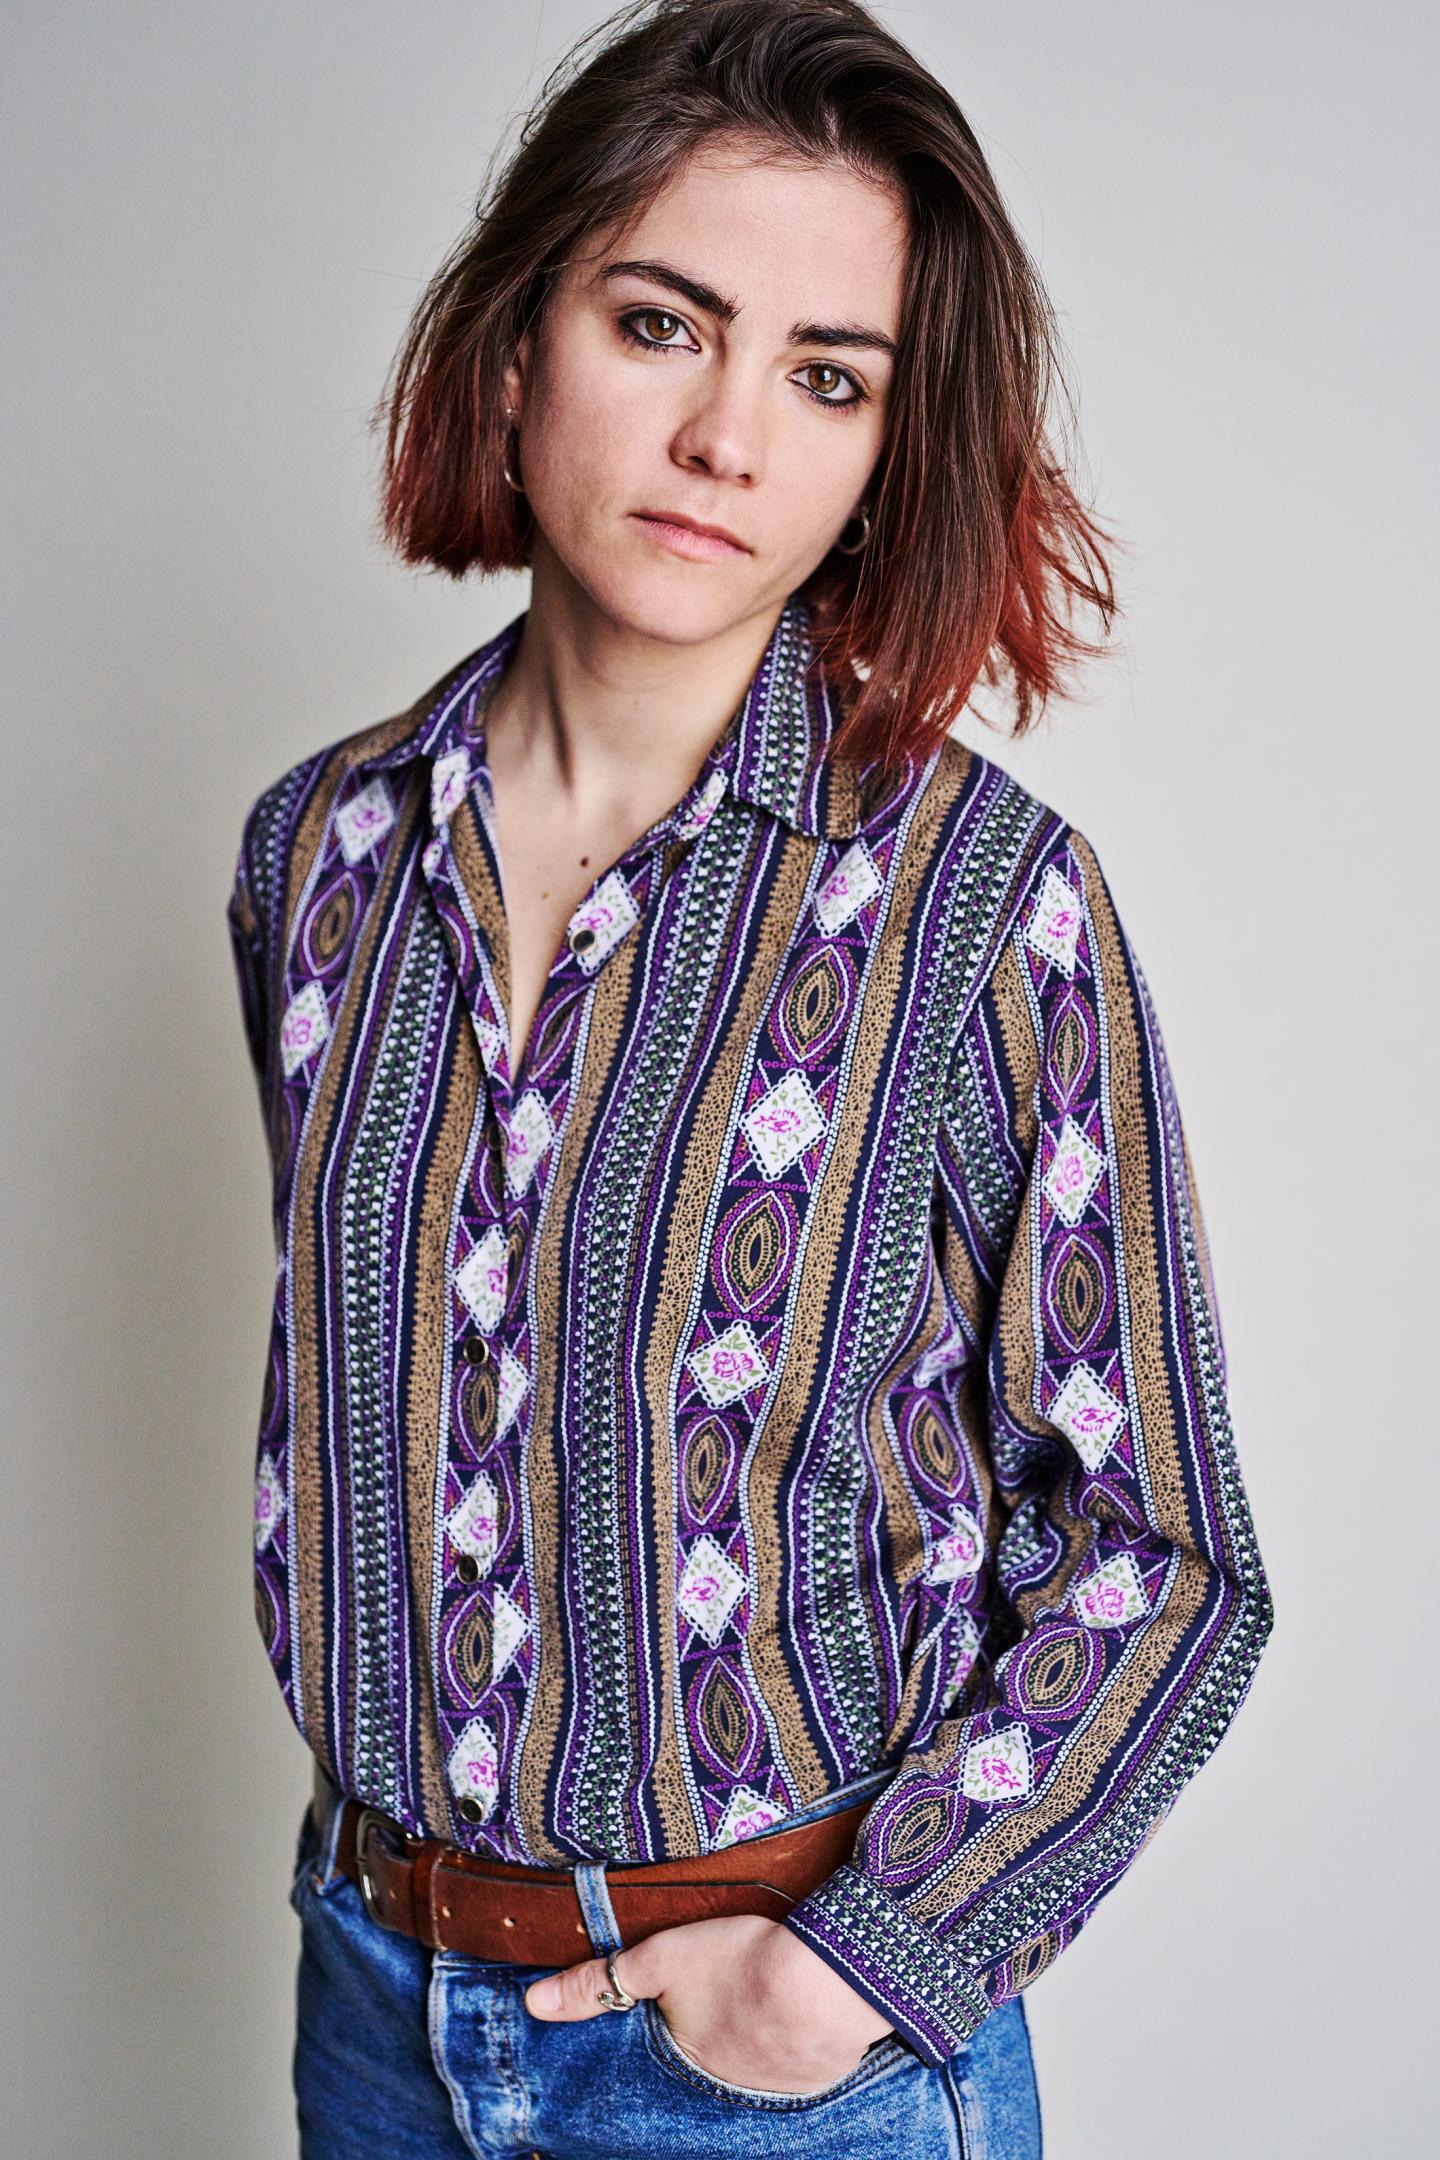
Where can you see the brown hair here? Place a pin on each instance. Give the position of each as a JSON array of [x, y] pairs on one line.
[[979, 547]]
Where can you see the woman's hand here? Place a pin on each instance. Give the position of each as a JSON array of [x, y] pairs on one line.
[[747, 1999]]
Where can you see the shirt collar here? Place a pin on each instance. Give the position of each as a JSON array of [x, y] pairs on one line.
[[783, 727]]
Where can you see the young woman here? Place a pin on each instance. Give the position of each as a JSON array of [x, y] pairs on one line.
[[746, 1516]]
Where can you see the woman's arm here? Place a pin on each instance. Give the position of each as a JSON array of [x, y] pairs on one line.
[[248, 947], [1127, 1602]]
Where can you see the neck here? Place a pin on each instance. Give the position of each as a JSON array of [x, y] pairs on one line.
[[590, 708]]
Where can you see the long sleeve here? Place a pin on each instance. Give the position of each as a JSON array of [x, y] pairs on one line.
[[1110, 1603], [247, 945]]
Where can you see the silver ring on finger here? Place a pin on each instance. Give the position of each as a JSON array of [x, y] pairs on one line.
[[615, 1997]]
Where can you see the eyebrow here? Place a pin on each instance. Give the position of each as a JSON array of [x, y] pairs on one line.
[[849, 334]]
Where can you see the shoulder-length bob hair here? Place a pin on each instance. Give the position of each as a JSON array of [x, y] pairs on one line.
[[979, 550]]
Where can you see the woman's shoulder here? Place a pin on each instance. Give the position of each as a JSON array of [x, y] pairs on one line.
[[324, 769], [304, 796], [1022, 893], [273, 818], [998, 845]]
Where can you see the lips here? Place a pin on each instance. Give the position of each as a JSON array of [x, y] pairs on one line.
[[717, 533]]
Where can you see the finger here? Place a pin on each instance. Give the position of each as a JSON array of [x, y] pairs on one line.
[[575, 1992]]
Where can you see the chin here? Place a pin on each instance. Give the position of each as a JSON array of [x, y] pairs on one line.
[[680, 607]]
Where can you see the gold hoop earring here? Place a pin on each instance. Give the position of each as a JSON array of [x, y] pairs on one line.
[[505, 459], [855, 546]]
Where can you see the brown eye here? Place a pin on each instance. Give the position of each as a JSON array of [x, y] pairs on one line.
[[652, 328], [837, 376]]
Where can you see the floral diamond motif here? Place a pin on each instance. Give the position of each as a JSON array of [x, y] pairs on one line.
[[852, 882], [449, 778], [946, 1352], [1053, 930], [473, 1524], [1113, 1595], [305, 1027], [747, 1813], [509, 1627], [489, 1038], [474, 1766], [528, 1135], [702, 809], [959, 1551], [365, 819], [610, 912], [482, 1278], [1088, 1414], [997, 1767], [510, 1389], [710, 1588], [1073, 1174], [728, 1366], [269, 1501], [784, 1123], [967, 1650]]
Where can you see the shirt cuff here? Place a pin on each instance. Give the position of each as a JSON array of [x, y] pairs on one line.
[[897, 1965]]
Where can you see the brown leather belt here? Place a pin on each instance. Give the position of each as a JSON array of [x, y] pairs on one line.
[[503, 1910]]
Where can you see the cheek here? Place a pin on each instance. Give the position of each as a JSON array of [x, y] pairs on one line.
[[584, 455], [815, 484]]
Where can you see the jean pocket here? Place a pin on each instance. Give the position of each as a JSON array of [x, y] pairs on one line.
[[880, 2060]]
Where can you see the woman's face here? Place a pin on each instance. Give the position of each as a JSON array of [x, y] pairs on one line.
[[741, 380]]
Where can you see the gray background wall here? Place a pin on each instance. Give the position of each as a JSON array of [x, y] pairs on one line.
[[219, 219]]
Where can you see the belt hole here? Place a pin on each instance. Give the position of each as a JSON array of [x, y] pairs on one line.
[[508, 1922], [579, 1927], [446, 1913]]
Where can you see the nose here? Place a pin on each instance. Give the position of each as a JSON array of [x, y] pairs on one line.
[[722, 434]]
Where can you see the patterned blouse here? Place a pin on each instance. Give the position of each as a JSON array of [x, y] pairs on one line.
[[801, 1364]]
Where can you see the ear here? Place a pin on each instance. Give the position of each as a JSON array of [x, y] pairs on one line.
[[516, 370]]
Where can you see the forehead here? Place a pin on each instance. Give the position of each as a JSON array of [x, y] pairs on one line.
[[783, 239]]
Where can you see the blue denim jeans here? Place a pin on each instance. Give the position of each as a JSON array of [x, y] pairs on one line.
[[404, 2053]]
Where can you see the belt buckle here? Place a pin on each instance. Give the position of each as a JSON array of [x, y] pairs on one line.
[[363, 1821]]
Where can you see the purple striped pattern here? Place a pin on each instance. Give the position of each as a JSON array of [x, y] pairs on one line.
[[802, 1364]]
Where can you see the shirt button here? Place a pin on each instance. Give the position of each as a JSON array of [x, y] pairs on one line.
[[581, 940], [475, 1350], [467, 1567], [471, 1809]]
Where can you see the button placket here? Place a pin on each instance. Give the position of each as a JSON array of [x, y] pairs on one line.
[[480, 1721]]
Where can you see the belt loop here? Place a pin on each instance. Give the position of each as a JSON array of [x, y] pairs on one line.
[[594, 1894]]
